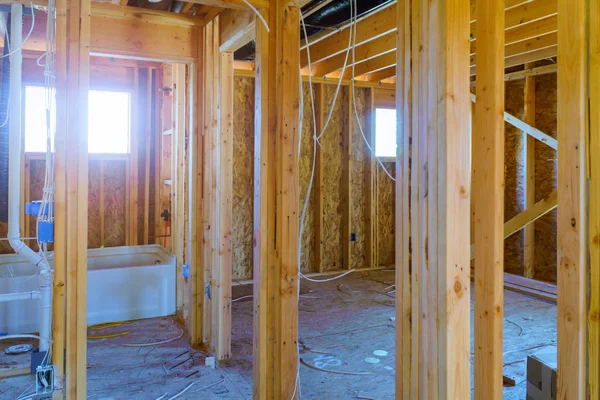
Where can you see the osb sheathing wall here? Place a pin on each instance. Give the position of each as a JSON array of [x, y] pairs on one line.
[[333, 196], [386, 211], [545, 177]]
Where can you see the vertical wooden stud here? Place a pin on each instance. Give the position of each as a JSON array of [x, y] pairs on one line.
[[489, 200], [133, 174], [370, 194], [594, 205], [318, 183], [178, 178], [434, 149], [222, 277], [403, 126], [148, 113], [572, 224], [195, 204], [347, 244], [276, 206], [529, 256], [70, 263]]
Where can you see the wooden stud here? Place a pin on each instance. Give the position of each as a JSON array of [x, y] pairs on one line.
[[529, 248], [370, 194], [133, 178], [403, 276], [571, 224], [148, 139], [318, 182], [196, 211], [222, 295], [178, 147], [276, 188], [594, 202], [102, 208], [237, 28], [71, 197], [347, 184], [210, 53], [489, 200]]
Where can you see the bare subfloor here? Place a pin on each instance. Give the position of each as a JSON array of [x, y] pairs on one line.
[[347, 348]]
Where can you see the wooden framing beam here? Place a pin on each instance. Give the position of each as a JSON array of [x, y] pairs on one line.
[[223, 270], [375, 25], [380, 62], [234, 4], [525, 127], [572, 193], [178, 168], [489, 201], [69, 329], [546, 69], [318, 183], [526, 31], [237, 29], [370, 189], [594, 202], [527, 217], [529, 141], [276, 222], [196, 210], [439, 200], [377, 76], [346, 184], [525, 46], [402, 101], [366, 51]]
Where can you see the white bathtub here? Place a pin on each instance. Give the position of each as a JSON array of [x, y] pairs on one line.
[[124, 283]]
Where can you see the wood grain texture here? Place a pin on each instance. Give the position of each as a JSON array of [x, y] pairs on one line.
[[529, 118], [489, 199], [594, 205], [571, 245]]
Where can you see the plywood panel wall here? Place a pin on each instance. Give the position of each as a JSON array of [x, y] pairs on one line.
[[385, 214], [332, 178], [362, 99], [333, 200]]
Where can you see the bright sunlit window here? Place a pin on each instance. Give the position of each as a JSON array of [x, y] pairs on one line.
[[109, 121], [385, 132]]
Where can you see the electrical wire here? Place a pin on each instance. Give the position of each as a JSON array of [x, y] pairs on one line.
[[362, 132], [258, 14], [20, 46], [328, 279]]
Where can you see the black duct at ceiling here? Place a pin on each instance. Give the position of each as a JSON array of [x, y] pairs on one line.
[[331, 15]]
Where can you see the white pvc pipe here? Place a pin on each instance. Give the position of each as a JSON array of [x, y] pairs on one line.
[[14, 171], [33, 295]]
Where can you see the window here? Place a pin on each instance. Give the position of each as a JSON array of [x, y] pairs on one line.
[[385, 132], [109, 120]]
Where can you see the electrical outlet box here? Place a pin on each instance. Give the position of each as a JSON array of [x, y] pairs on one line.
[[353, 237], [44, 379]]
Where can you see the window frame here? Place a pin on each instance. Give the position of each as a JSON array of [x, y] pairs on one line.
[[94, 155]]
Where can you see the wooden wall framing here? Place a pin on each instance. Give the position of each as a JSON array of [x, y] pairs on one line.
[[435, 35]]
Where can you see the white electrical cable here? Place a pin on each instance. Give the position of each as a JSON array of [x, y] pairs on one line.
[[328, 279], [258, 14], [362, 132], [20, 46], [183, 391]]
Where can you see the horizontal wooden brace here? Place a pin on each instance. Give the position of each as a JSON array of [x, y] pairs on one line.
[[528, 216], [525, 127]]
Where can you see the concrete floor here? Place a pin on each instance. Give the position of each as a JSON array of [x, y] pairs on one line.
[[345, 328]]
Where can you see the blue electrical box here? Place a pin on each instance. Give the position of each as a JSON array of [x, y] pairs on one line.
[[33, 208], [45, 232]]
